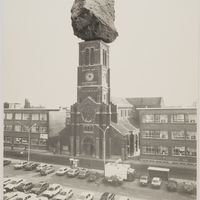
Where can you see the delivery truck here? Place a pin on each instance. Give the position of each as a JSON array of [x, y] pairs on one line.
[[120, 170]]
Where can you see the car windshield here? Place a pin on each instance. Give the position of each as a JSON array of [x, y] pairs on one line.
[[155, 180], [51, 189], [143, 178], [38, 185], [82, 197], [13, 182]]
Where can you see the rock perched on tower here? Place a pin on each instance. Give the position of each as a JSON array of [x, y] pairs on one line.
[[94, 19]]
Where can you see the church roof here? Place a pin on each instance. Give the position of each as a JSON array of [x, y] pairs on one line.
[[120, 102], [119, 129], [125, 123], [141, 102]]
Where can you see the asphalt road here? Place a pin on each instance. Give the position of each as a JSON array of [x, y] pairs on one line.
[[131, 189]]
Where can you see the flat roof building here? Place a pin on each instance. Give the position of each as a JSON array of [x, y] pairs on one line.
[[168, 134], [43, 123]]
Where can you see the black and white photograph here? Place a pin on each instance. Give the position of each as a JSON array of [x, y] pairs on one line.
[[100, 99]]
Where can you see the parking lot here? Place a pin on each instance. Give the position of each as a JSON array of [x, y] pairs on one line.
[[130, 189]]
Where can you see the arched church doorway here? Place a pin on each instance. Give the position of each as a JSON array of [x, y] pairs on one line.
[[88, 148]]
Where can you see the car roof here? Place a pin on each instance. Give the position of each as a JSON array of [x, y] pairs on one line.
[[54, 185], [86, 193], [62, 168], [144, 176], [66, 189], [16, 179], [156, 178], [26, 181], [42, 182]]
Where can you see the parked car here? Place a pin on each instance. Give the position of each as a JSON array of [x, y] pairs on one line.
[[172, 185], [20, 165], [41, 166], [30, 166], [23, 153], [156, 182], [107, 196], [64, 194], [23, 196], [86, 196], [189, 187], [53, 190], [62, 171], [6, 162], [24, 186], [41, 198], [10, 195], [32, 196], [113, 180], [47, 170], [83, 173], [6, 181], [73, 172], [124, 198], [14, 183], [39, 187], [93, 177], [144, 180]]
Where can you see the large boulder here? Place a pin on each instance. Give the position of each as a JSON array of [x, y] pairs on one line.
[[94, 19]]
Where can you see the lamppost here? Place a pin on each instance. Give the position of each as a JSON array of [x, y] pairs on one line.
[[28, 130], [104, 143]]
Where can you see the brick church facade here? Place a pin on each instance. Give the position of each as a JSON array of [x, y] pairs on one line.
[[93, 113]]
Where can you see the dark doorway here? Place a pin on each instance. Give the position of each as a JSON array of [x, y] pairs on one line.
[[88, 147]]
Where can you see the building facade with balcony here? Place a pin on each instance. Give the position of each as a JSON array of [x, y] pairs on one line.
[[168, 134], [40, 121]]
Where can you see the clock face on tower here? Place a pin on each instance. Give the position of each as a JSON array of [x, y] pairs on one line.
[[89, 76]]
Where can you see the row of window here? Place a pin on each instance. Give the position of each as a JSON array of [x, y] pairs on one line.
[[24, 140], [26, 116], [176, 151], [175, 118], [175, 135], [125, 113], [19, 128]]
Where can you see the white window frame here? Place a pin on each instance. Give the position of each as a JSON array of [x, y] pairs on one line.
[[34, 118], [18, 128], [192, 151], [151, 134], [176, 118], [146, 118], [178, 147], [192, 136], [9, 116], [173, 133], [18, 116], [25, 116], [161, 118], [8, 127], [43, 116]]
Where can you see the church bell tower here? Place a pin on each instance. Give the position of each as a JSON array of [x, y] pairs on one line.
[[91, 114]]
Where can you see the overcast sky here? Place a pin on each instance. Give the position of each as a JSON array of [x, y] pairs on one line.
[[156, 53]]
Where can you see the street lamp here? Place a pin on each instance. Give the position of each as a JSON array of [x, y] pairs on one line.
[[28, 129], [104, 144]]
